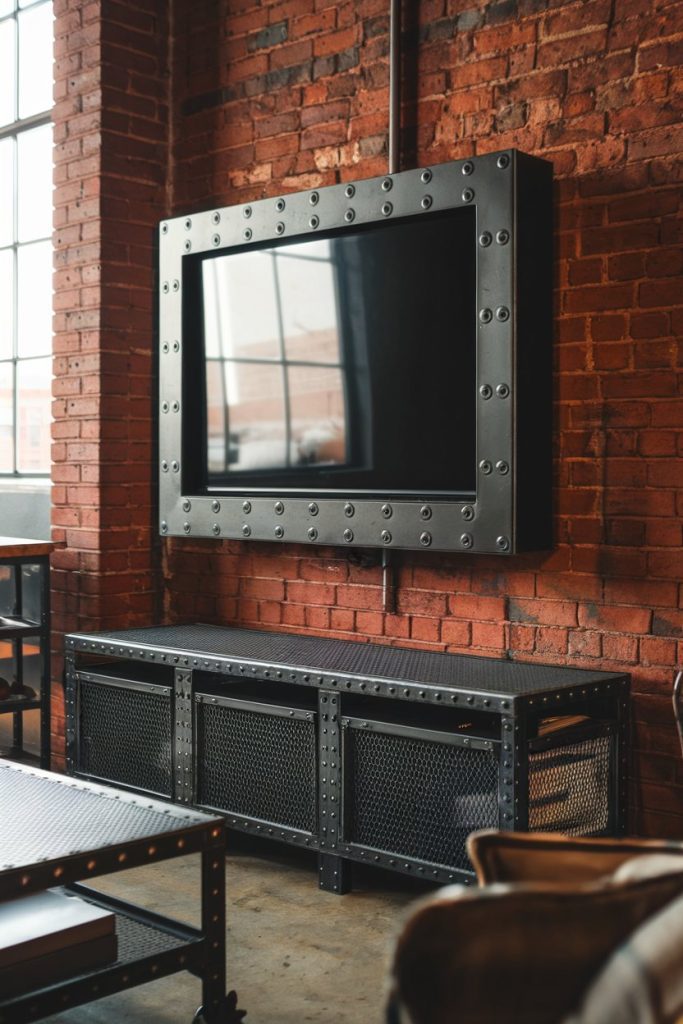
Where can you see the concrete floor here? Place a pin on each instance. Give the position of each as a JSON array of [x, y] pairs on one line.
[[295, 954]]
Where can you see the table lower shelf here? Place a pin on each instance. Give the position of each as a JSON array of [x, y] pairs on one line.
[[149, 946]]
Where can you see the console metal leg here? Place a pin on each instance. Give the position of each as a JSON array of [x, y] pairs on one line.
[[213, 925], [334, 873]]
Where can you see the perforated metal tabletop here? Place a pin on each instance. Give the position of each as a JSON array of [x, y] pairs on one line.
[[348, 658]]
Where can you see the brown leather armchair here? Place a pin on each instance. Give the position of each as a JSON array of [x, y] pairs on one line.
[[561, 931]]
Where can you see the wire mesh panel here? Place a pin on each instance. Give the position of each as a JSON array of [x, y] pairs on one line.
[[570, 787], [125, 736], [257, 764], [417, 798]]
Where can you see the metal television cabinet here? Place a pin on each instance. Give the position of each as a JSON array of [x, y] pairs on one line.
[[361, 752]]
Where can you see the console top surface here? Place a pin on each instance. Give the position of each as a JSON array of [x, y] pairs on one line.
[[195, 643]]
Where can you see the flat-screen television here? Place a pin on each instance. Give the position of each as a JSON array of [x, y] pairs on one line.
[[363, 364]]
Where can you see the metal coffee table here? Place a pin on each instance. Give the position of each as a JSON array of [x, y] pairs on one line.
[[55, 831]]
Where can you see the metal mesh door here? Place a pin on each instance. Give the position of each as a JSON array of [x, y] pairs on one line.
[[257, 764], [570, 787], [125, 736], [417, 798]]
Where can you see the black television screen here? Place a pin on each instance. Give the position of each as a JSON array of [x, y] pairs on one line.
[[345, 362], [367, 363]]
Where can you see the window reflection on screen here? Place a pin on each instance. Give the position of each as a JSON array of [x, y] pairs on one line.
[[274, 369]]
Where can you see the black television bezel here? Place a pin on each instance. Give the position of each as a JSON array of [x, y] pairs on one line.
[[510, 510]]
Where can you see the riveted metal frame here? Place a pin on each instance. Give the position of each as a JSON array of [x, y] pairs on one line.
[[621, 767], [510, 508], [202, 952], [334, 875], [183, 746]]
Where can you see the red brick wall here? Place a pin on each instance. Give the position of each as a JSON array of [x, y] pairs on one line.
[[272, 97]]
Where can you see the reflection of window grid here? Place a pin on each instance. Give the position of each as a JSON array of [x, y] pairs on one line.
[[12, 131], [280, 360]]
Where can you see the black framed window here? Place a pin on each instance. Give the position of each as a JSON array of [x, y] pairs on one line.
[[26, 59]]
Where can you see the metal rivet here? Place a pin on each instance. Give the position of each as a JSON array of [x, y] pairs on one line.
[[386, 511], [246, 234], [280, 205], [467, 167], [187, 505], [188, 223], [467, 195], [426, 202], [246, 530], [314, 221], [349, 510], [503, 161], [349, 216], [164, 229], [425, 512], [386, 537], [246, 507], [386, 185], [164, 466], [486, 391], [164, 406], [503, 237], [313, 508], [165, 347], [279, 508], [216, 239], [502, 314], [164, 526], [176, 285], [215, 217], [387, 209], [187, 245], [247, 211], [426, 176], [503, 390], [164, 287], [176, 346], [485, 238], [466, 540], [313, 198], [312, 533], [467, 512], [348, 536], [186, 527], [215, 506], [279, 531], [350, 191], [502, 467], [176, 407], [485, 315], [503, 543], [485, 466], [216, 529], [279, 228], [425, 539], [175, 466]]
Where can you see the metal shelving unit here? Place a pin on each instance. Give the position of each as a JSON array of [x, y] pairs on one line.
[[18, 624]]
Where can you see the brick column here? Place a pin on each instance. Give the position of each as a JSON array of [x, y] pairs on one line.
[[111, 133]]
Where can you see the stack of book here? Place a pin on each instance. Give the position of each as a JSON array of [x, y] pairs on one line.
[[49, 937]]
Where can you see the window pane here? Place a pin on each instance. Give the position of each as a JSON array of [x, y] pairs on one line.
[[28, 3], [6, 302], [35, 60], [34, 294], [240, 307], [34, 383], [34, 158], [6, 408], [318, 417], [6, 192], [7, 63], [309, 309], [257, 417], [6, 7]]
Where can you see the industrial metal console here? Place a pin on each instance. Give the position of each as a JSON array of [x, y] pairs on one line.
[[362, 752]]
